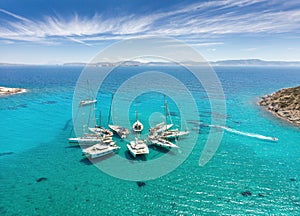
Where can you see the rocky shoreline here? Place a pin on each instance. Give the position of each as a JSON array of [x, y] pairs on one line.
[[284, 104], [4, 91]]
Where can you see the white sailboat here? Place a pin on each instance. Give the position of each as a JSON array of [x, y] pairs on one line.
[[86, 139], [163, 126], [137, 125], [87, 101], [121, 131], [138, 147], [158, 141], [173, 134], [101, 131], [99, 150], [160, 128]]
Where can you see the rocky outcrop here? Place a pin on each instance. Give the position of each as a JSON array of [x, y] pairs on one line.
[[284, 104], [10, 91]]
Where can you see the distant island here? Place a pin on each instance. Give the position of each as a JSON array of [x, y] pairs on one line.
[[284, 104], [4, 91], [239, 62]]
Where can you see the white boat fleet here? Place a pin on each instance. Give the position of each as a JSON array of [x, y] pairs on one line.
[[99, 142]]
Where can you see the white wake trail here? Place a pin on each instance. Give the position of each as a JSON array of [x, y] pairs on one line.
[[257, 136]]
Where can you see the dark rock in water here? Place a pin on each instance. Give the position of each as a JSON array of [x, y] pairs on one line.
[[11, 108], [5, 153], [292, 179], [246, 193], [173, 114], [49, 102], [261, 195], [41, 179], [67, 124], [140, 184], [22, 105]]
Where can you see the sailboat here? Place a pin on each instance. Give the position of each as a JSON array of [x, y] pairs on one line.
[[159, 141], [173, 134], [138, 147], [160, 128], [163, 126], [86, 139], [87, 101], [121, 131], [137, 125], [99, 150], [99, 130]]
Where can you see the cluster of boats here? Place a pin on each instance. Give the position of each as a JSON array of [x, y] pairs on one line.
[[99, 141]]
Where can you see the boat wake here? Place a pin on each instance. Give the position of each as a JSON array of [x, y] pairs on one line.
[[257, 136]]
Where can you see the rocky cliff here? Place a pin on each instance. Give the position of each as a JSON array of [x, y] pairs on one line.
[[284, 104]]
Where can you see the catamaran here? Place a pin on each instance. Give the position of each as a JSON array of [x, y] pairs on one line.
[[173, 134], [121, 131], [138, 147], [99, 150], [137, 125], [158, 141]]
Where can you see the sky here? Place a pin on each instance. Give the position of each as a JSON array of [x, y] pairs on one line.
[[61, 31]]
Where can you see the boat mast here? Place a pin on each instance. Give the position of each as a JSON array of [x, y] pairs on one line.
[[100, 118], [136, 110], [166, 110], [109, 114], [83, 129]]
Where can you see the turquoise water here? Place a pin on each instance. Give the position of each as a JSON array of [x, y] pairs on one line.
[[35, 127]]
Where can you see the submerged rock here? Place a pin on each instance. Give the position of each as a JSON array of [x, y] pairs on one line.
[[41, 179], [292, 179], [140, 184], [5, 153], [246, 193], [49, 102]]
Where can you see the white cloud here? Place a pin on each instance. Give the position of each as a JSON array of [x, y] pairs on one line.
[[191, 22]]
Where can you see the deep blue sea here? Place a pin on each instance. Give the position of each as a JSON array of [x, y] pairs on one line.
[[41, 174]]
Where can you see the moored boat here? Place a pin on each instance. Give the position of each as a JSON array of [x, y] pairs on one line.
[[173, 134], [99, 150], [101, 131], [138, 147], [121, 131], [87, 102], [158, 141]]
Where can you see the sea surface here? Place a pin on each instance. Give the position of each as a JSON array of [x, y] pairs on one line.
[[41, 174]]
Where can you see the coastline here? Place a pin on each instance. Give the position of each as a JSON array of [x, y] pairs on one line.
[[284, 104], [5, 91]]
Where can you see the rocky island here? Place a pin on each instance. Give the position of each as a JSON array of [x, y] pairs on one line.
[[4, 91], [284, 104]]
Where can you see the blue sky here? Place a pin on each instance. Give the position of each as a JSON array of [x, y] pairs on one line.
[[50, 32]]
